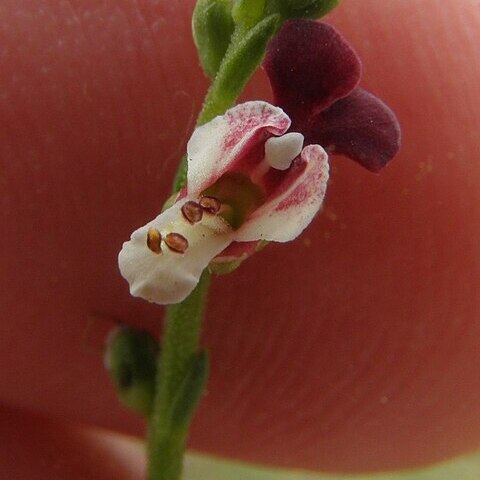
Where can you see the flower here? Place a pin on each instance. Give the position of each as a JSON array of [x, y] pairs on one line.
[[248, 180], [314, 75]]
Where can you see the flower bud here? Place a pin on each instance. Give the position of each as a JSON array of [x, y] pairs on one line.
[[212, 28], [248, 12], [130, 359]]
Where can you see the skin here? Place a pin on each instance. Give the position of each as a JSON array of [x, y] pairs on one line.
[[354, 348], [35, 447]]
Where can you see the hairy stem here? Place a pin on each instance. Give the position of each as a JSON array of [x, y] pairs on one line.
[[166, 439]]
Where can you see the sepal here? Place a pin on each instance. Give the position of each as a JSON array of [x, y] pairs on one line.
[[223, 268]]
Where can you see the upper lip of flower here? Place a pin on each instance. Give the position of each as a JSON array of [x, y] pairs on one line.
[[314, 75], [274, 193]]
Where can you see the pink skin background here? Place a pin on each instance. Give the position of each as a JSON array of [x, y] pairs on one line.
[[353, 348]]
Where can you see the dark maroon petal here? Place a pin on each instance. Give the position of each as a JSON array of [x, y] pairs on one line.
[[359, 126], [310, 66]]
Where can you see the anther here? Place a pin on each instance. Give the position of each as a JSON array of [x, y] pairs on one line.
[[210, 204], [192, 211], [154, 238], [176, 242]]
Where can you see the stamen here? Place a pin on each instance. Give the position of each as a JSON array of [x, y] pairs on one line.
[[192, 211], [210, 204], [176, 242], [154, 239]]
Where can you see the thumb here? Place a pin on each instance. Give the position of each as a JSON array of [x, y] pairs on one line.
[[353, 349]]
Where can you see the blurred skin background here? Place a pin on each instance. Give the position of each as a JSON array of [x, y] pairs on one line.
[[355, 348]]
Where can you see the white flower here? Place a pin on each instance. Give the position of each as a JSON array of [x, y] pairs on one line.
[[248, 180]]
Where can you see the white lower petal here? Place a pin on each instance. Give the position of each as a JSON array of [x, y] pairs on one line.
[[292, 207], [169, 277]]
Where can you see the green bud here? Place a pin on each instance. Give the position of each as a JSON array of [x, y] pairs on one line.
[[248, 13], [131, 360], [212, 28], [302, 8], [190, 392]]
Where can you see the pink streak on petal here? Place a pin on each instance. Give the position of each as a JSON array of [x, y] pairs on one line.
[[224, 144], [292, 205], [237, 251], [245, 120], [305, 190]]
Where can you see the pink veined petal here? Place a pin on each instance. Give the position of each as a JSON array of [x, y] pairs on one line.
[[237, 251], [293, 203], [221, 144]]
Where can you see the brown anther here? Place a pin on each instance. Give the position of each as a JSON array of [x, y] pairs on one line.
[[176, 242], [154, 239], [192, 211], [210, 204]]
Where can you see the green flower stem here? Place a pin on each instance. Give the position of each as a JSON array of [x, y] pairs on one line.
[[166, 438], [232, 40], [215, 100], [244, 55], [179, 379]]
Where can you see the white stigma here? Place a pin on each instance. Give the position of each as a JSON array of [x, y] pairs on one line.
[[281, 151]]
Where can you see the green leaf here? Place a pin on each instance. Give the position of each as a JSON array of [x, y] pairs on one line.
[[190, 392], [130, 359], [244, 56], [302, 8], [212, 29]]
